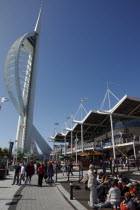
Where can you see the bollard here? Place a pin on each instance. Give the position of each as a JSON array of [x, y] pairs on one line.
[[68, 176], [71, 190], [79, 172], [82, 170], [56, 175]]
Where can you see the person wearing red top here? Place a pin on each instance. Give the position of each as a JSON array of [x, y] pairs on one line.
[[40, 175], [30, 170], [131, 189]]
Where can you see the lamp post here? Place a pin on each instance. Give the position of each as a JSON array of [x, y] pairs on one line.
[[15, 153], [112, 134], [76, 149], [65, 145], [134, 147], [71, 131], [3, 99], [81, 109], [54, 139]]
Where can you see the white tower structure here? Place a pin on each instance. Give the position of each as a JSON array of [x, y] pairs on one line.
[[20, 79]]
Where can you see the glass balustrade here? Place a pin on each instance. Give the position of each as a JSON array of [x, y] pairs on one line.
[[92, 145]]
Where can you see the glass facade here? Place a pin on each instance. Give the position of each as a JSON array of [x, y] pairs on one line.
[[129, 123]]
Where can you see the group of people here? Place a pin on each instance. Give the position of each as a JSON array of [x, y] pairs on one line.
[[105, 191], [114, 191], [24, 172], [122, 162], [65, 167]]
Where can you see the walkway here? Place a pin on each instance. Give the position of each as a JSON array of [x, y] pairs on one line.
[[31, 197], [7, 191], [48, 197]]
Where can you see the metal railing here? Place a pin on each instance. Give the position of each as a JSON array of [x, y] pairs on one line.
[[94, 145], [80, 173]]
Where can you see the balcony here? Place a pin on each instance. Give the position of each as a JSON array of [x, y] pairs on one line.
[[87, 146], [119, 142]]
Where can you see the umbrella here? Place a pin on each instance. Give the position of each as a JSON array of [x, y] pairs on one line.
[[82, 154], [98, 153], [90, 153]]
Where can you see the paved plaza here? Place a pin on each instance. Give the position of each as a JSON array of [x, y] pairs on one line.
[[50, 196], [31, 197], [7, 191]]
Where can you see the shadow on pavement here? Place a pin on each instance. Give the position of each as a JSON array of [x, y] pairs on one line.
[[5, 187], [9, 179], [15, 200], [11, 203]]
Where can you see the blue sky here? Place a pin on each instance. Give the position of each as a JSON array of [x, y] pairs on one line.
[[84, 45]]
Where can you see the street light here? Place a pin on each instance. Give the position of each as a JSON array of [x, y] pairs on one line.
[[82, 107], [76, 149], [3, 99], [15, 152], [71, 119], [54, 139]]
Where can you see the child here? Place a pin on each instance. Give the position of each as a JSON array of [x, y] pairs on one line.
[[127, 203], [114, 195]]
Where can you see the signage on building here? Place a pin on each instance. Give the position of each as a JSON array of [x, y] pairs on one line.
[[99, 148], [11, 147], [107, 144]]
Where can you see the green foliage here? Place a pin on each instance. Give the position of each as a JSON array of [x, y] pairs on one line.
[[4, 153], [32, 158], [20, 155]]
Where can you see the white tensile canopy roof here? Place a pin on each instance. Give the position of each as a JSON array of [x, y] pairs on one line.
[[96, 122]]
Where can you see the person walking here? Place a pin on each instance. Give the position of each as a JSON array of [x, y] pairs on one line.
[[37, 166], [30, 170], [45, 172], [70, 167], [63, 168], [17, 172], [22, 174], [113, 165], [92, 185], [40, 174], [50, 172]]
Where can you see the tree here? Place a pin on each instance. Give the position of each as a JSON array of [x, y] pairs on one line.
[[1, 153], [21, 155], [4, 153]]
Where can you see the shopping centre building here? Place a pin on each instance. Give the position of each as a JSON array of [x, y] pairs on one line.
[[116, 132]]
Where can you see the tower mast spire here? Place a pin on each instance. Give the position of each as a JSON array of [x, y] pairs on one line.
[[38, 22]]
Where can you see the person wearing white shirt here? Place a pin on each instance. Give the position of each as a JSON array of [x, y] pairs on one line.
[[22, 173], [92, 181]]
